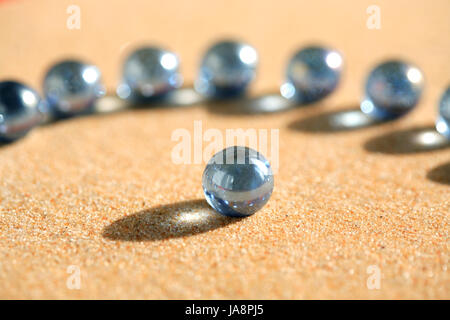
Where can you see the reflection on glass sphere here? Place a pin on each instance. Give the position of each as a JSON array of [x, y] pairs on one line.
[[71, 87], [21, 109], [237, 181], [393, 89], [443, 121], [227, 69], [312, 74], [149, 72]]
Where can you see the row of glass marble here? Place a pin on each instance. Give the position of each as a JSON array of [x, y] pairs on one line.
[[71, 87]]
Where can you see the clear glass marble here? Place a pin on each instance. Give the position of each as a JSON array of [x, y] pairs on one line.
[[149, 72], [21, 109], [392, 90], [71, 87], [237, 181], [312, 74], [227, 69], [443, 121]]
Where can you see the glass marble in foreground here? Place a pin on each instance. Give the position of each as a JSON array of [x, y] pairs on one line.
[[237, 181]]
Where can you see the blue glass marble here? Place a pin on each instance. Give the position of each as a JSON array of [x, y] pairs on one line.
[[392, 90], [71, 87], [21, 109], [227, 69], [237, 181], [149, 72], [312, 74], [443, 121]]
